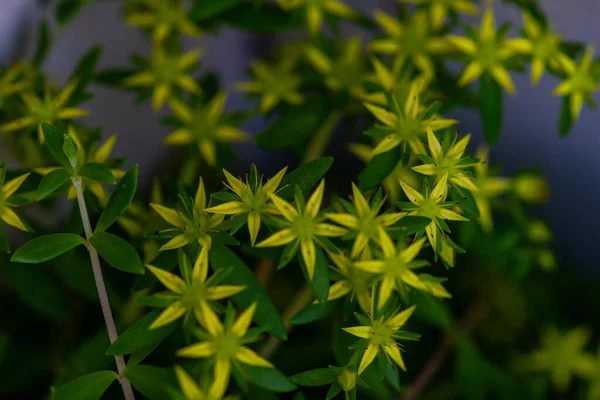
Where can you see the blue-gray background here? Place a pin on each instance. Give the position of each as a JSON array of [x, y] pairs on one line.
[[529, 137]]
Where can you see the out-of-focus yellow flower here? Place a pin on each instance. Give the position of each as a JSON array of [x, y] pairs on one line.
[[488, 52], [531, 187], [315, 10], [346, 72], [253, 201], [192, 292], [98, 155], [382, 335], [438, 9], [366, 221], [413, 40], [194, 224], [165, 72], [355, 282], [192, 391], [406, 124], [164, 17], [544, 46], [47, 108], [489, 187], [12, 81], [303, 224], [275, 84], [580, 82], [204, 126], [6, 191]]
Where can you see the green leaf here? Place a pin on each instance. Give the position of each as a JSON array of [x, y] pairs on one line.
[[379, 168], [305, 177], [88, 387], [409, 225], [97, 172], [151, 381], [298, 123], [315, 312], [432, 310], [87, 357], [67, 9], [138, 336], [268, 18], [490, 108], [565, 121], [52, 181], [117, 252], [119, 200], [43, 43], [54, 140], [268, 378], [266, 314], [316, 377], [84, 73], [46, 247], [320, 281], [210, 8]]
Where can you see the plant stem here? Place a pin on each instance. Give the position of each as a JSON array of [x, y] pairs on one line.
[[302, 298], [104, 303], [469, 320], [321, 138]]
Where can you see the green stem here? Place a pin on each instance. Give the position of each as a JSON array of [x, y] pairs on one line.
[[322, 137], [102, 294]]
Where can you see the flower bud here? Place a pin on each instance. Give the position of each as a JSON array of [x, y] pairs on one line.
[[347, 379], [531, 188], [70, 149], [538, 232]]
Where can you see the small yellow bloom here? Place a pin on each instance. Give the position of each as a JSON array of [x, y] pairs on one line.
[[450, 163], [346, 72], [315, 10], [192, 391], [382, 335], [47, 108], [275, 84], [432, 206], [254, 200], [303, 225], [355, 282], [347, 379], [396, 269], [192, 292], [6, 191], [561, 355], [531, 187], [166, 71], [438, 9], [365, 221], [544, 46], [225, 344], [193, 224], [407, 124], [412, 40], [488, 52], [100, 155], [580, 83], [12, 81], [489, 187], [164, 17], [204, 126]]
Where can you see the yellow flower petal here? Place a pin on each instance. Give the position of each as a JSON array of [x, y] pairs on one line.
[[384, 76], [435, 146], [229, 208], [363, 332], [398, 321], [385, 291], [220, 380], [284, 207], [487, 33], [181, 110], [575, 104], [198, 350], [390, 218], [10, 187], [373, 266], [169, 215], [242, 323], [367, 358], [273, 183], [387, 144], [382, 114], [339, 289], [425, 169], [171, 281], [439, 189], [328, 230], [180, 137], [359, 245], [385, 46], [280, 238], [187, 384], [314, 18], [503, 78], [209, 320], [200, 197], [231, 134], [160, 95], [393, 351], [389, 24], [105, 149], [17, 124], [12, 219], [451, 215], [463, 44], [200, 270], [249, 357], [208, 151], [409, 254], [71, 113], [307, 247], [338, 8], [253, 226], [235, 184], [318, 60], [222, 291], [188, 83], [470, 73], [361, 204], [216, 105], [170, 314], [144, 78], [414, 196], [386, 243], [347, 220]]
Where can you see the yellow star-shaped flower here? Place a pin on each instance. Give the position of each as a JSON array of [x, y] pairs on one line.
[[438, 9], [164, 17], [355, 282], [544, 46], [315, 10], [192, 391], [12, 81]]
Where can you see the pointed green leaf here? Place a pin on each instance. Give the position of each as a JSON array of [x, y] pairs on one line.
[[315, 312], [54, 140], [97, 172], [119, 200], [138, 336], [88, 387], [117, 252], [305, 177], [43, 43], [490, 108], [46, 247], [379, 168], [316, 377], [52, 181], [210, 8], [151, 381], [266, 314], [268, 378], [565, 121]]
